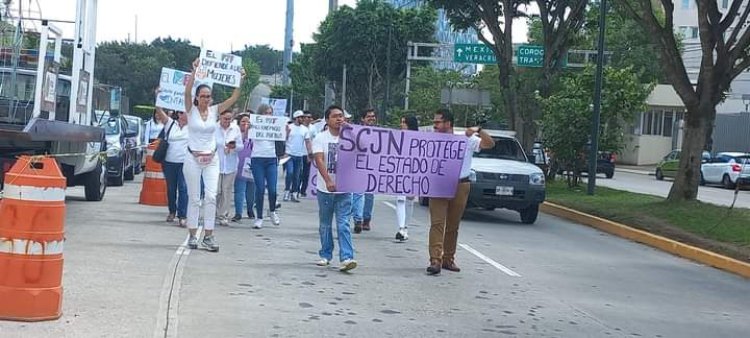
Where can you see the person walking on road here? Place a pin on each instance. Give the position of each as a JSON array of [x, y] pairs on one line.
[[297, 147], [445, 213], [176, 133], [363, 203], [264, 164], [244, 185], [305, 176], [155, 125], [405, 204], [201, 162], [331, 202], [229, 139]]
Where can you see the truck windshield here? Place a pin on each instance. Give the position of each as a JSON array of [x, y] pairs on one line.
[[505, 148]]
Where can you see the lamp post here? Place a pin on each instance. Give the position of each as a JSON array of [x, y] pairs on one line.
[[595, 120]]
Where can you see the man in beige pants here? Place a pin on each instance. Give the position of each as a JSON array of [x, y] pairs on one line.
[[445, 213], [229, 142]]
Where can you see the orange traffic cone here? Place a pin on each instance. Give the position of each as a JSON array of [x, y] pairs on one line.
[[154, 189], [32, 218]]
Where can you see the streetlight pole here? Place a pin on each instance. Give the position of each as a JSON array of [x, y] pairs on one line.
[[595, 120]]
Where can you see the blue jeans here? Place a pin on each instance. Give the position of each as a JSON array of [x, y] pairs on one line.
[[367, 209], [358, 205], [293, 173], [244, 192], [177, 198], [340, 205], [266, 176]]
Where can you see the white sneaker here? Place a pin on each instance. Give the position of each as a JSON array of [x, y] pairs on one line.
[[224, 222], [275, 218], [286, 196], [347, 265], [258, 223], [323, 262]]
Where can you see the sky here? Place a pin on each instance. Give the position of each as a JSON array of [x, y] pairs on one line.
[[217, 24]]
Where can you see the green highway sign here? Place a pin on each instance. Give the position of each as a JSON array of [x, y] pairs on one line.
[[473, 53], [533, 56]]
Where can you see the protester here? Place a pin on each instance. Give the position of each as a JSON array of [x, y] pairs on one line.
[[176, 133], [405, 204], [445, 213], [305, 175], [244, 185], [264, 164], [201, 161], [363, 204], [229, 140], [298, 146], [155, 124], [330, 201]]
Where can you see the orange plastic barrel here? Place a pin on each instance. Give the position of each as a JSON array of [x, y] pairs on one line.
[[154, 188], [32, 223]]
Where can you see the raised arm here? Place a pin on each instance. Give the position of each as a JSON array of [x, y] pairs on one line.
[[161, 115], [235, 94], [189, 87]]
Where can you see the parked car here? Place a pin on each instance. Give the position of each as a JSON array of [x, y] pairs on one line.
[[669, 165], [121, 151], [605, 164], [503, 177], [138, 127], [727, 169]]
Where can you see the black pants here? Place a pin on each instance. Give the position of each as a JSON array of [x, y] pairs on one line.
[[305, 175]]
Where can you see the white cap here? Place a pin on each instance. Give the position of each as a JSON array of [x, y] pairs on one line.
[[347, 115], [297, 114]]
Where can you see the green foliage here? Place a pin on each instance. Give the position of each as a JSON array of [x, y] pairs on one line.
[[426, 84], [183, 53], [567, 114], [268, 59], [307, 83]]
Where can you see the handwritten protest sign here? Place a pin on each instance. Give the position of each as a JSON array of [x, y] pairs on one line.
[[268, 127], [278, 105], [172, 89], [398, 162], [221, 68], [312, 181]]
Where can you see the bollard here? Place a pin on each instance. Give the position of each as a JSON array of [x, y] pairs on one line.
[[32, 222]]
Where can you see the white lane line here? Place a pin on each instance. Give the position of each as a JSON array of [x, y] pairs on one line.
[[167, 321], [497, 265]]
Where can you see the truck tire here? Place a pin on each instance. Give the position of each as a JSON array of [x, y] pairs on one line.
[[528, 215], [120, 179], [129, 174], [95, 183]]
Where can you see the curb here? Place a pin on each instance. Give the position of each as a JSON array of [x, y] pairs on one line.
[[635, 171], [662, 243]]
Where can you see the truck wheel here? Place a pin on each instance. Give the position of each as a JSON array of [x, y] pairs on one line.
[[120, 179], [129, 174], [95, 183], [528, 215], [659, 175]]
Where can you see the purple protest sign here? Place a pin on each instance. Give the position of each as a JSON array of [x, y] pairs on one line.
[[398, 162], [312, 181]]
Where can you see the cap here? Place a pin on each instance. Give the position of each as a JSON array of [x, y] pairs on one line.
[[347, 115], [297, 114]]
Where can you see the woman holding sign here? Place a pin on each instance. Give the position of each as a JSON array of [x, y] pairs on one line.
[[201, 161], [405, 204], [264, 164]]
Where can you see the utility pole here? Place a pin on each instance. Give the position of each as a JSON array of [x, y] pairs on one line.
[[595, 119], [343, 89], [288, 41], [328, 95], [387, 99]]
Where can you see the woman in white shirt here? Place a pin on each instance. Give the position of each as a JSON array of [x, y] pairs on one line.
[[229, 139], [201, 161], [176, 133], [155, 125]]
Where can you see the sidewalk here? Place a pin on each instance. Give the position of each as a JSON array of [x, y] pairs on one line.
[[635, 169]]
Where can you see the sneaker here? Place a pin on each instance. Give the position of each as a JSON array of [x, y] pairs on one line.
[[294, 198], [223, 222], [366, 225], [347, 265], [286, 196], [303, 195], [183, 222], [357, 227], [210, 243], [258, 223], [275, 218], [323, 262], [251, 215], [193, 243], [236, 218], [170, 218], [402, 235]]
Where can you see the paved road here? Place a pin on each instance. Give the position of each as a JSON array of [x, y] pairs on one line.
[[648, 184], [554, 278]]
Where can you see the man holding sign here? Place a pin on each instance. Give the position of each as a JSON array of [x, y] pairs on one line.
[[445, 213]]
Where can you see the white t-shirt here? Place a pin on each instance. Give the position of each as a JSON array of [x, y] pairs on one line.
[[178, 140], [472, 146], [295, 144], [228, 162], [264, 149], [202, 133], [153, 129], [327, 144]]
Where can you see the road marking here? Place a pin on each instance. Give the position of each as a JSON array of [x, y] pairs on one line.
[[169, 299], [497, 265]]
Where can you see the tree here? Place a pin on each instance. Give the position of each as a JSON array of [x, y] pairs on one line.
[[725, 54], [496, 18], [266, 57], [183, 53], [308, 84], [567, 112]]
